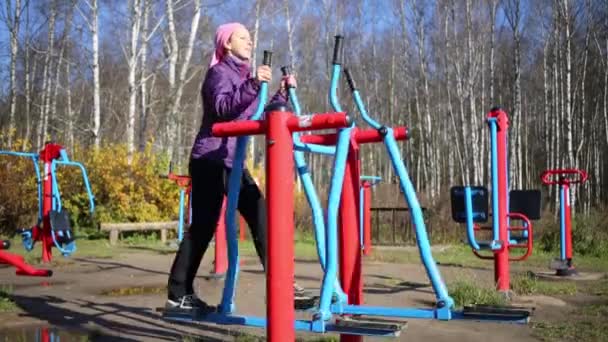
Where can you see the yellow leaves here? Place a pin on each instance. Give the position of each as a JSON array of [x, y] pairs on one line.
[[123, 192]]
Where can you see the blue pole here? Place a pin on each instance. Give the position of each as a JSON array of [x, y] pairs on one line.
[[494, 162], [422, 239], [309, 190], [234, 182], [468, 201], [562, 223], [180, 225]]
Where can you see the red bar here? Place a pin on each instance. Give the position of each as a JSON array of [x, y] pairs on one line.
[[361, 136], [238, 128], [367, 218], [221, 253], [350, 248], [50, 152], [47, 205], [242, 225], [22, 267], [501, 259], [568, 223], [318, 121], [279, 191]]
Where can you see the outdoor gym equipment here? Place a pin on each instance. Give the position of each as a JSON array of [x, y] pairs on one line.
[[185, 189], [278, 127], [470, 206], [350, 264], [365, 217], [17, 261], [53, 225], [564, 266]]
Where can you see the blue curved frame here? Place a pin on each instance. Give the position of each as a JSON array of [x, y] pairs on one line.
[[56, 204], [227, 305]]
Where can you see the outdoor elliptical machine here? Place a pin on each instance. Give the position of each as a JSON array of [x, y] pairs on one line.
[[53, 225], [444, 307], [279, 300], [564, 266]]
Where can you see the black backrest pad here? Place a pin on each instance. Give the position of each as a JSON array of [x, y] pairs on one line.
[[60, 220], [479, 197], [526, 202]]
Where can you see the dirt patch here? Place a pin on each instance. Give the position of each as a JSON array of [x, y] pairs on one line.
[[117, 298]]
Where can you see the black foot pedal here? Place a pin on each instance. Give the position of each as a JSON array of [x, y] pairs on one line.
[[498, 313], [372, 324], [558, 264], [306, 303]]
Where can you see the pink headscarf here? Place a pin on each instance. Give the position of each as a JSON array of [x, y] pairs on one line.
[[222, 35]]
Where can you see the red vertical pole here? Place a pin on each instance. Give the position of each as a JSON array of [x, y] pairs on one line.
[[350, 248], [501, 257], [221, 256], [279, 191], [367, 218], [47, 205], [242, 225], [567, 219]]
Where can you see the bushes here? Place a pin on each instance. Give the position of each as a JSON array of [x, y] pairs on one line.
[[124, 192]]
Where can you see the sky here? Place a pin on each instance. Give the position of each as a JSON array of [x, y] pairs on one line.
[[113, 12]]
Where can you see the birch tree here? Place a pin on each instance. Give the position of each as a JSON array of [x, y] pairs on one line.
[[177, 86], [91, 21], [46, 82], [513, 15], [12, 19]]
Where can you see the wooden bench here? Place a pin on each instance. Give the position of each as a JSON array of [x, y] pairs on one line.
[[116, 228]]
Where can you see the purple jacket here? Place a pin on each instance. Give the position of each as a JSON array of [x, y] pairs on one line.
[[229, 94]]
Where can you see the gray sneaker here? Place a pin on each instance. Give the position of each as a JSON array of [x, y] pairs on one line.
[[299, 292], [189, 303]]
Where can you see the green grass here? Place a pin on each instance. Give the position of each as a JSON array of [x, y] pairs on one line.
[[577, 329], [465, 292], [526, 284], [6, 302], [135, 291]]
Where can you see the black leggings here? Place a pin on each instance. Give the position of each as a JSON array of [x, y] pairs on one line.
[[209, 185]]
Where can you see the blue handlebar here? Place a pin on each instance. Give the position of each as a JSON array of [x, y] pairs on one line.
[[57, 205]]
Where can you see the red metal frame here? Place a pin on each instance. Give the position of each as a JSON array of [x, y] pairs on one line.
[[22, 268], [278, 127], [220, 266], [50, 152], [564, 182], [367, 217], [529, 241], [501, 257]]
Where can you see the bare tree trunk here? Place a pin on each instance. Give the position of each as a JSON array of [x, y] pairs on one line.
[[64, 42], [256, 37], [12, 23], [582, 129], [512, 11], [44, 108], [428, 141], [93, 25], [470, 95], [606, 86], [173, 50], [29, 71], [546, 108], [143, 119], [135, 21], [178, 87], [69, 133]]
